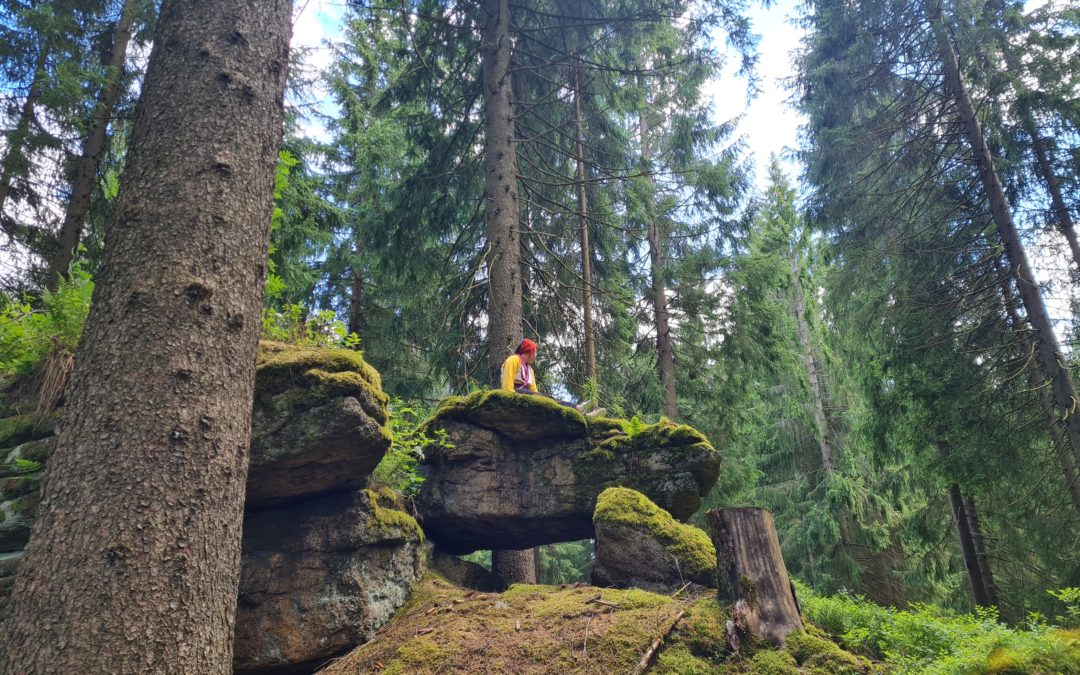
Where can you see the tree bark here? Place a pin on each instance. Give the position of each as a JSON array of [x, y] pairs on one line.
[[17, 137], [504, 237], [514, 567], [967, 546], [751, 573], [356, 294], [500, 190], [134, 558], [665, 353], [802, 329], [586, 250], [1048, 351], [93, 147], [978, 539]]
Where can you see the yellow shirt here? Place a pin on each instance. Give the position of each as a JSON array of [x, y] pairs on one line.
[[510, 371]]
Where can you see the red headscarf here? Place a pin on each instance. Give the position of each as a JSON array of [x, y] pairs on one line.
[[526, 346]]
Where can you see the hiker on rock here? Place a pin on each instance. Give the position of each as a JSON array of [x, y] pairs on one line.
[[518, 375]]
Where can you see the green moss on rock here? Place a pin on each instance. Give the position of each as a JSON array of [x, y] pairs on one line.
[[388, 514], [818, 655], [690, 545], [16, 430], [281, 366]]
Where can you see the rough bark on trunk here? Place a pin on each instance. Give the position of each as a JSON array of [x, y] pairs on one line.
[[134, 559], [967, 546], [514, 567], [665, 353], [751, 573], [978, 539], [1035, 380], [500, 189], [504, 237], [93, 147], [1047, 350], [18, 135], [586, 250], [802, 330]]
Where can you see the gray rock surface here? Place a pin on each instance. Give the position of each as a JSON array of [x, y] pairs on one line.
[[318, 424], [519, 471], [465, 574], [321, 576]]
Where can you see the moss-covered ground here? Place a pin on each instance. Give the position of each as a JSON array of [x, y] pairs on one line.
[[573, 629]]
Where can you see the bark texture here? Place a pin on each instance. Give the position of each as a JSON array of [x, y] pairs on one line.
[[514, 567], [978, 538], [500, 190], [586, 249], [133, 561], [1048, 351], [665, 353], [751, 573], [967, 546], [93, 147], [817, 393]]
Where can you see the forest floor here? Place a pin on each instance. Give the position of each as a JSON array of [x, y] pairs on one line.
[[574, 629]]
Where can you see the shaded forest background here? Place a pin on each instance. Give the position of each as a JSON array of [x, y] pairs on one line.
[[868, 349]]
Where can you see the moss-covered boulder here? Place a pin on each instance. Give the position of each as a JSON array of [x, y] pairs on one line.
[[517, 471], [318, 423], [321, 576], [640, 545]]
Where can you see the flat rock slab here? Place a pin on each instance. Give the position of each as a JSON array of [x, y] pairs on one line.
[[516, 471], [320, 577], [318, 424]]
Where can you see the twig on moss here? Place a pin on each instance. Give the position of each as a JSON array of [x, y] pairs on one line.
[[646, 660]]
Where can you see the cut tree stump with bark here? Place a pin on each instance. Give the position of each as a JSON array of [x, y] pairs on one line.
[[751, 575]]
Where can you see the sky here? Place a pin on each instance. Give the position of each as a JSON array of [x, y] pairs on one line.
[[767, 125]]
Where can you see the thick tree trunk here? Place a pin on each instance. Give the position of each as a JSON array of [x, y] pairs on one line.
[[751, 574], [664, 350], [93, 147], [967, 546], [500, 189], [514, 567], [14, 155], [586, 250], [802, 329], [1048, 351], [1045, 402], [504, 237], [134, 558], [978, 539]]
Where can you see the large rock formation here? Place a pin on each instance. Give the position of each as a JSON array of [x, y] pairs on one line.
[[639, 545], [324, 563], [318, 423], [515, 471], [322, 578]]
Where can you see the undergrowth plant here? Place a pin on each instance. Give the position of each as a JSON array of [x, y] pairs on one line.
[[399, 468], [295, 324], [933, 641]]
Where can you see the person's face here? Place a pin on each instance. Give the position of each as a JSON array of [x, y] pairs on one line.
[[529, 357]]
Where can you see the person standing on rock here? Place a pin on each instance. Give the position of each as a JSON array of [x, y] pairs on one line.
[[518, 376]]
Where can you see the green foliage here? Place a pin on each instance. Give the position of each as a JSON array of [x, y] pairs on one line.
[[399, 468], [928, 639], [295, 324], [1071, 598], [566, 563], [28, 333]]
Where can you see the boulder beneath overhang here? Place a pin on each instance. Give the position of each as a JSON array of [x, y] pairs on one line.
[[513, 471]]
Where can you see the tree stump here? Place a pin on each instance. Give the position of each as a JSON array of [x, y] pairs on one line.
[[751, 575]]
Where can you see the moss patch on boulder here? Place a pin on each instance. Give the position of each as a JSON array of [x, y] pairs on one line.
[[325, 373], [686, 543], [519, 416], [388, 513]]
